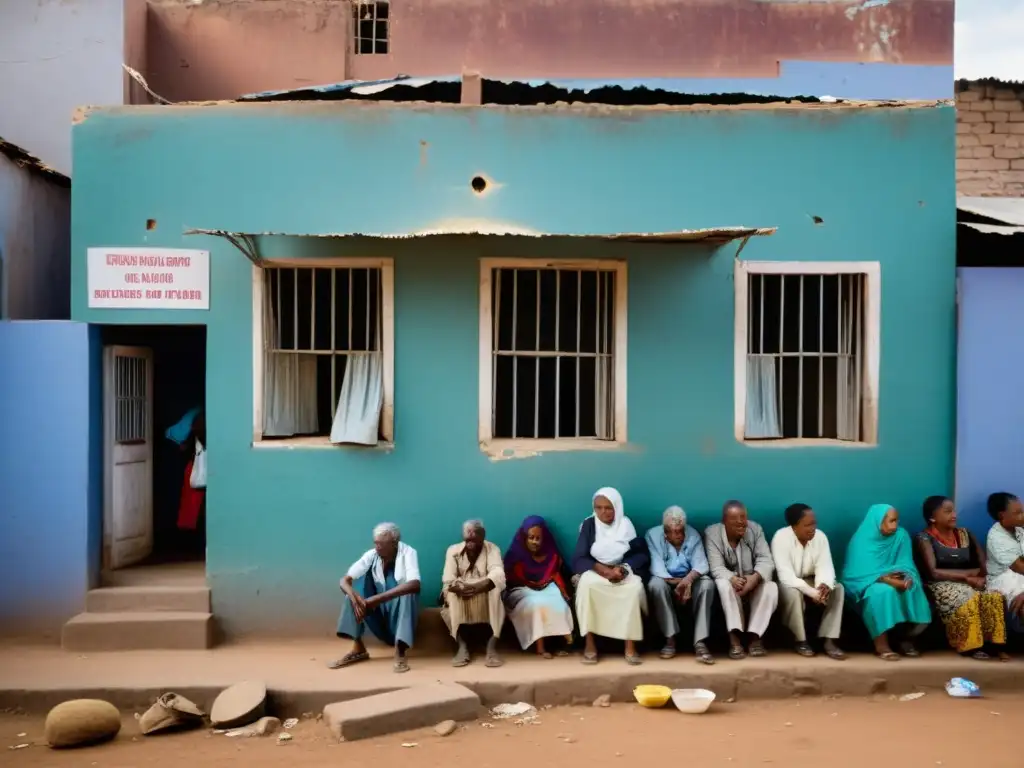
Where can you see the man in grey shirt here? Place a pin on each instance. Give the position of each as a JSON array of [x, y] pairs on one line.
[[741, 565]]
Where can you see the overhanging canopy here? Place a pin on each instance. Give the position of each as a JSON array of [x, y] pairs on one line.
[[246, 241], [1008, 211]]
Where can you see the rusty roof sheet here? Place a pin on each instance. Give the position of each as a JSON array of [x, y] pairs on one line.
[[711, 235], [25, 159]]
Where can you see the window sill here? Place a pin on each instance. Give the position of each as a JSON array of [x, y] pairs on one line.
[[806, 442], [317, 443], [526, 448]]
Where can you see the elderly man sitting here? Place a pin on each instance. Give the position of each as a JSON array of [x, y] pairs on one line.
[[387, 602], [742, 567], [471, 587], [679, 569]]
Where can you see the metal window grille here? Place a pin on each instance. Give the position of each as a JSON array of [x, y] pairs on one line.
[[371, 24], [331, 313], [552, 353], [130, 387], [811, 327]]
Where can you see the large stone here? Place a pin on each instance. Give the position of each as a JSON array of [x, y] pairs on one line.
[[239, 705], [80, 722], [402, 710]]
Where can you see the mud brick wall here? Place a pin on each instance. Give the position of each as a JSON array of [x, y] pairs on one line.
[[990, 139]]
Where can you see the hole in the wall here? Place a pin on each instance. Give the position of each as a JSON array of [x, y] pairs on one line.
[[479, 184], [817, 219], [151, 224]]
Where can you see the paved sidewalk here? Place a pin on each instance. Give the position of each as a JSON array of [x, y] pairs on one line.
[[34, 678]]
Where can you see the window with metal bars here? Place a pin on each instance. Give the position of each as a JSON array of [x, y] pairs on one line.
[[130, 391], [805, 356], [553, 353], [324, 317], [371, 22]]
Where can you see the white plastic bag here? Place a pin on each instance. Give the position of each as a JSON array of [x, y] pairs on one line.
[[198, 477]]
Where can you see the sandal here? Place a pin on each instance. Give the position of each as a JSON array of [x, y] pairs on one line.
[[907, 649], [633, 660], [668, 652], [736, 652], [703, 654], [835, 653], [350, 658], [980, 655], [400, 666], [461, 658], [889, 656], [804, 649], [493, 661], [589, 658], [757, 648]]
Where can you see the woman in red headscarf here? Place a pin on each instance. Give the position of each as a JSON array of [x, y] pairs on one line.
[[536, 596]]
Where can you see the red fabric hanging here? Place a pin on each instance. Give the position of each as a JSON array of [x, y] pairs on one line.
[[191, 503]]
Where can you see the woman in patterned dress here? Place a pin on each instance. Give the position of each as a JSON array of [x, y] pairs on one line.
[[952, 564]]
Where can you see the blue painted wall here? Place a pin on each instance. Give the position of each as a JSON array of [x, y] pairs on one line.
[[284, 524], [51, 503], [990, 409]]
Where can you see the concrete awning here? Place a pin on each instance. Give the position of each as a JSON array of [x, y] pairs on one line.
[[992, 229], [246, 241], [1007, 211]]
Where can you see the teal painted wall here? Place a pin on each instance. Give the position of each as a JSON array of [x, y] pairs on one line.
[[284, 524]]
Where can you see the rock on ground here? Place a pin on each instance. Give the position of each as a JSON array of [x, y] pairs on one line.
[[239, 705], [80, 722]]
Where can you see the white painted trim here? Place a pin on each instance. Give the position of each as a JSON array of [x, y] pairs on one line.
[[522, 446], [872, 344], [387, 276]]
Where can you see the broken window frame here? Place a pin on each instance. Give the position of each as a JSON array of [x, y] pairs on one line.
[[867, 337], [616, 414], [386, 325]]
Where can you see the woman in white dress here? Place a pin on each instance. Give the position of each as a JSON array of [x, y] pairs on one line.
[[536, 596], [611, 563]]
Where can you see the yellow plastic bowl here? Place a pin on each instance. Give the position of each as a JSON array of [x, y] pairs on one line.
[[652, 696]]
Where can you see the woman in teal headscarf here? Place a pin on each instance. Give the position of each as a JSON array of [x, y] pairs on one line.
[[880, 578]]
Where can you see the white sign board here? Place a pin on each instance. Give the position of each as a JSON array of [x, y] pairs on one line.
[[148, 278]]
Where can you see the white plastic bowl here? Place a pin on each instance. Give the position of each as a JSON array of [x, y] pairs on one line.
[[692, 701]]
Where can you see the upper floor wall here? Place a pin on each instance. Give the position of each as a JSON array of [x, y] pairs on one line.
[[204, 50], [990, 139], [59, 55]]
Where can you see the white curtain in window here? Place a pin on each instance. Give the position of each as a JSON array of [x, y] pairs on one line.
[[357, 419], [762, 398], [847, 414], [601, 426], [289, 386]]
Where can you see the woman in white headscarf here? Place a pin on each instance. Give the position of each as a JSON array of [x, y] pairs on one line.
[[611, 563]]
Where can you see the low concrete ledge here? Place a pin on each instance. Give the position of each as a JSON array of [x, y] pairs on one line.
[[402, 710]]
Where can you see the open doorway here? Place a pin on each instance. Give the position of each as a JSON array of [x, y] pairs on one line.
[[154, 382]]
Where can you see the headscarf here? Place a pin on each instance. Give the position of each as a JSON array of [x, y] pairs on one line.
[[522, 570], [611, 542], [870, 555]]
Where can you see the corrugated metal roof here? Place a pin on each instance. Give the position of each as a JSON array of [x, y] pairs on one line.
[[993, 229], [25, 159], [1008, 210], [715, 235], [358, 87]]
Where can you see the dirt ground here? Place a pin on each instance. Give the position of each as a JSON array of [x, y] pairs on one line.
[[796, 733]]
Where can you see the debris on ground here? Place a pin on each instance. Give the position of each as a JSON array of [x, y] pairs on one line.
[[80, 722], [290, 723], [239, 705], [284, 738], [961, 688], [486, 725], [912, 696], [445, 728], [18, 746], [265, 726], [506, 711], [604, 700], [409, 744], [170, 712]]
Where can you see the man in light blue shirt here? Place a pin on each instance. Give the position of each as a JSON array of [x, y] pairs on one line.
[[679, 578]]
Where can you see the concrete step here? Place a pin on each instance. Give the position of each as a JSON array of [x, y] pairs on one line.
[[401, 710], [148, 599], [163, 630]]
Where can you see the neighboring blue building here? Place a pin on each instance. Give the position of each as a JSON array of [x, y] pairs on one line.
[[668, 247]]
